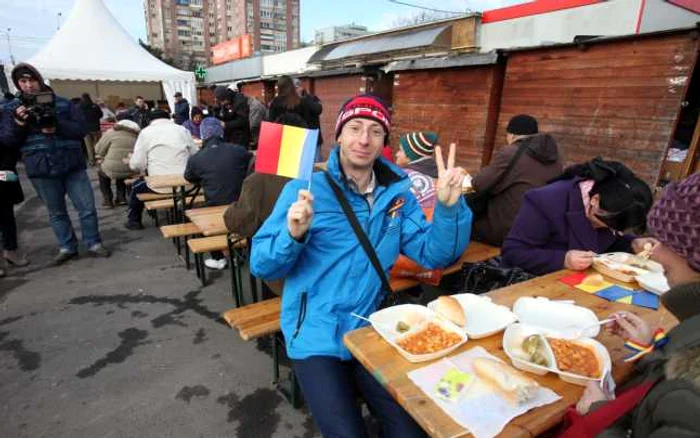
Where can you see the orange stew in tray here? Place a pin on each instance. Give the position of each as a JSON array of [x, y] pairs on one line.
[[575, 358], [430, 339]]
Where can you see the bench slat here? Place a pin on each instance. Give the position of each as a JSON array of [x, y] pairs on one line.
[[267, 326], [179, 230], [235, 317], [207, 244], [145, 197], [168, 203]]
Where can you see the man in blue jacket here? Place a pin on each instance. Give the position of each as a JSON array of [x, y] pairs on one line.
[[182, 109], [308, 242], [48, 131]]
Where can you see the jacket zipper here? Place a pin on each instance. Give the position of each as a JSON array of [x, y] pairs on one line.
[[301, 317]]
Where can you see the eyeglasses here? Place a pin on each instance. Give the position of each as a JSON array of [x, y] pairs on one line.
[[375, 132]]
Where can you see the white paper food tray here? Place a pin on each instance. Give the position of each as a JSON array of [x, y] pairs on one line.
[[556, 320], [416, 316]]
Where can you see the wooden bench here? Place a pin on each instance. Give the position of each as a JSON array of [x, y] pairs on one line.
[[203, 245], [145, 197], [177, 231], [255, 320], [168, 204]]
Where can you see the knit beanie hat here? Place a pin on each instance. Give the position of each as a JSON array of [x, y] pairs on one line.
[[364, 106], [417, 145], [210, 127], [675, 219], [222, 93], [683, 300], [522, 124]]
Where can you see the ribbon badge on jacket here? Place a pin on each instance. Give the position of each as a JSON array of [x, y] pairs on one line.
[[395, 207]]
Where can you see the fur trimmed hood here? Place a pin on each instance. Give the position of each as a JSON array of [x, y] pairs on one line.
[[128, 126], [684, 365]]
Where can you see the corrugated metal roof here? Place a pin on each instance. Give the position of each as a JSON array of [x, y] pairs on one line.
[[463, 60], [236, 70], [385, 43]]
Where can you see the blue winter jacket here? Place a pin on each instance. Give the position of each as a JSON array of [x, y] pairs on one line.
[[48, 156], [328, 275]]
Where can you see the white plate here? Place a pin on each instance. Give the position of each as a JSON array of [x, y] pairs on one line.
[[389, 317], [654, 282], [484, 318], [512, 346]]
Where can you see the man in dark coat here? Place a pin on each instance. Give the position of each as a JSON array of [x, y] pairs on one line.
[[93, 114], [139, 112], [182, 109], [49, 141], [539, 163], [234, 112], [220, 168]]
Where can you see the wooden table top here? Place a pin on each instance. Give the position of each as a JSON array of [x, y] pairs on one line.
[[166, 181], [391, 369], [210, 223], [476, 252], [217, 209]]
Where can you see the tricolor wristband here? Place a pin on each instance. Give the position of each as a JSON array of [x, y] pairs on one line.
[[659, 339]]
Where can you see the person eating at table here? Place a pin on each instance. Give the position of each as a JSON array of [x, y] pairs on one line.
[[220, 168], [193, 123], [584, 212], [663, 400], [308, 241], [162, 148]]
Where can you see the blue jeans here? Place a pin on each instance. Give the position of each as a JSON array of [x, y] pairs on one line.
[[331, 386], [53, 192]]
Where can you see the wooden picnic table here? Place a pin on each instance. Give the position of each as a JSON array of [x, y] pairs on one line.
[[166, 181], [209, 220], [391, 369]]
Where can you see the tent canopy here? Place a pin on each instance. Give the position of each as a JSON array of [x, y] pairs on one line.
[[92, 45]]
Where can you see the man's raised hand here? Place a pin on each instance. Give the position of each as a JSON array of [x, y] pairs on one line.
[[449, 184]]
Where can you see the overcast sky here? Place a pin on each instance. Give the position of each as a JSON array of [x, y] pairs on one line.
[[33, 22]]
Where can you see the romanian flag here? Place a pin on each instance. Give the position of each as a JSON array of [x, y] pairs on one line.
[[286, 151]]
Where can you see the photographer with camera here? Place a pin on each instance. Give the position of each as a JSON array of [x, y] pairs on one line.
[[48, 131]]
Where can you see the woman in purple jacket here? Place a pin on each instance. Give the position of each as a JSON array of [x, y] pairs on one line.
[[584, 212]]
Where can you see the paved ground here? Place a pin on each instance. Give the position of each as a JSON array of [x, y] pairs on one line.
[[129, 346]]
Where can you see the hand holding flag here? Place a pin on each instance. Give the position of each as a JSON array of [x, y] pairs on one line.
[[300, 215]]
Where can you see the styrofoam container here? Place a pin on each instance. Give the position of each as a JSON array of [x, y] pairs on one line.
[[416, 317], [484, 317], [513, 339], [613, 264], [553, 319], [654, 282]]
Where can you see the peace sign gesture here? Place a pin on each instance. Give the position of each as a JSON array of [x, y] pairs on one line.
[[449, 183]]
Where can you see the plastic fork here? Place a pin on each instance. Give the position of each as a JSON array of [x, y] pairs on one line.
[[383, 326], [581, 332]]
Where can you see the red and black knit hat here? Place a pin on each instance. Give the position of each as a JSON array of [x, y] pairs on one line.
[[675, 219], [364, 106], [417, 145]]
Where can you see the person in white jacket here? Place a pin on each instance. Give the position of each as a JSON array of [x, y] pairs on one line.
[[162, 148]]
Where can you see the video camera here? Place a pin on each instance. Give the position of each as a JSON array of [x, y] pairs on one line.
[[41, 108]]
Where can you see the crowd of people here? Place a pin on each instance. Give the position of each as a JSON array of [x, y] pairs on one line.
[[544, 217]]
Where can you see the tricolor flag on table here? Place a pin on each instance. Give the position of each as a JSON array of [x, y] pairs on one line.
[[286, 150]]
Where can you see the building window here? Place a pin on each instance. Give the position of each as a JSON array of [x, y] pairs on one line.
[[183, 23], [182, 2], [184, 33]]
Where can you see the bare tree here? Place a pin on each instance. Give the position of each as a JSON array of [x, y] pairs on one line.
[[421, 17]]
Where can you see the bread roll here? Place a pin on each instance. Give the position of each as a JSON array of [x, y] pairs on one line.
[[513, 385], [451, 309]]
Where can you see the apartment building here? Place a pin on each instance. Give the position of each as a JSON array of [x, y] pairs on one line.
[[187, 29], [337, 33]]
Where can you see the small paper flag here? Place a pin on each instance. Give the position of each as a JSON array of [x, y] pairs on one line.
[[614, 293], [286, 150], [574, 279], [646, 299]]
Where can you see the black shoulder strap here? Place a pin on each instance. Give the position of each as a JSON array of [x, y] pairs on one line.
[[486, 191], [359, 232]]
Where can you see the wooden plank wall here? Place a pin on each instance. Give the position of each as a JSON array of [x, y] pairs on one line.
[[454, 103], [618, 99]]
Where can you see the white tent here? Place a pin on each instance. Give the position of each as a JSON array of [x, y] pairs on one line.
[[92, 46]]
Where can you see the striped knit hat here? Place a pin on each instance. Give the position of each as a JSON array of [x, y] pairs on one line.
[[675, 219], [417, 145]]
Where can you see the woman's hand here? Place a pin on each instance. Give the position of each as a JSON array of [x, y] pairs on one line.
[[592, 394], [645, 245], [630, 327], [578, 260]]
